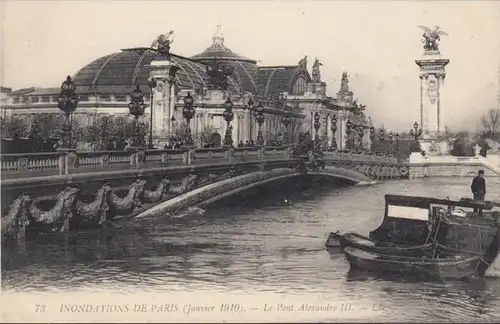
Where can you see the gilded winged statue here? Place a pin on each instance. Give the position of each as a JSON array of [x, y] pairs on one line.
[[431, 37], [162, 43]]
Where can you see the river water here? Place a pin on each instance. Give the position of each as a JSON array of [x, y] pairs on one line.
[[265, 246]]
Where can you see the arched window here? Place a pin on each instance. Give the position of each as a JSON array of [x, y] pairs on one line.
[[300, 86]]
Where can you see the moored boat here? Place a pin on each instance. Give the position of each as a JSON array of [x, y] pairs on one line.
[[451, 266], [365, 243], [333, 240]]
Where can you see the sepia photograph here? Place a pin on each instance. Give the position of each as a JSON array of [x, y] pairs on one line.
[[250, 161]]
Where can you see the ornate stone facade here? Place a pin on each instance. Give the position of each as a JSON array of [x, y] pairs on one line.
[[104, 87]]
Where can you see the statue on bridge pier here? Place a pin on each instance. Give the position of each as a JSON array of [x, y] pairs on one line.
[[163, 42], [431, 38]]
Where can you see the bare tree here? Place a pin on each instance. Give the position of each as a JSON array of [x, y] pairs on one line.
[[491, 122]]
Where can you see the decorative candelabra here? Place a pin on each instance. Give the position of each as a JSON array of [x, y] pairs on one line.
[[382, 141], [152, 86], [259, 117], [136, 108], [397, 145], [372, 139], [348, 130], [361, 131], [286, 120], [416, 132], [67, 102], [334, 131], [316, 128], [188, 113], [250, 105], [228, 117], [391, 143]]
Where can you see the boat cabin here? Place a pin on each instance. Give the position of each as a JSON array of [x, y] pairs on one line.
[[410, 220]]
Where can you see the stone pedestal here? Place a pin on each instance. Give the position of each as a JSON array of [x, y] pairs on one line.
[[163, 71], [433, 144], [432, 74]]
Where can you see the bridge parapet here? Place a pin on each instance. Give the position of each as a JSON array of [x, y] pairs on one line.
[[450, 166], [53, 163]]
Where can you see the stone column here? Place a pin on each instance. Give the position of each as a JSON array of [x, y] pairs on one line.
[[440, 77], [163, 71]]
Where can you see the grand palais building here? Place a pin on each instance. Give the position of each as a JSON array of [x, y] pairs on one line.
[[104, 87]]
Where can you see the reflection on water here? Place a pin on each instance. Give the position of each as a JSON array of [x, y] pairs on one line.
[[268, 240]]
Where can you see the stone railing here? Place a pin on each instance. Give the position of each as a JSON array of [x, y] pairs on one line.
[[77, 162], [361, 157], [450, 166]]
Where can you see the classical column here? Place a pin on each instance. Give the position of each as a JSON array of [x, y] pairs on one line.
[[440, 112], [163, 72], [421, 101]]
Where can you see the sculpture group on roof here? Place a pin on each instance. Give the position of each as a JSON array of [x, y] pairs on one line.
[[316, 73]]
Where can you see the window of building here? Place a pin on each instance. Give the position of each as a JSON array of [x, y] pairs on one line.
[[105, 97], [83, 98], [120, 98], [35, 99], [15, 100], [299, 87], [46, 99]]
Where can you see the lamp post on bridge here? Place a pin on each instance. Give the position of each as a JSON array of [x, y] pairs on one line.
[[391, 143], [228, 117], [348, 130], [316, 128], [361, 130], [397, 144], [188, 113], [259, 117], [136, 108], [334, 131], [286, 120], [416, 132], [372, 139], [382, 141], [67, 102]]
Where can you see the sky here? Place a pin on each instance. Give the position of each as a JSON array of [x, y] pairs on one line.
[[376, 42]]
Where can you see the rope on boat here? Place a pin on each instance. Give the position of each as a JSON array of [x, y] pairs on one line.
[[444, 247], [436, 245]]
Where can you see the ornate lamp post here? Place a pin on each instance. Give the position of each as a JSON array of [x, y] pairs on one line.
[[372, 139], [348, 130], [397, 144], [260, 119], [67, 102], [361, 133], [391, 143], [382, 140], [136, 108], [286, 120], [152, 86], [188, 113], [228, 117], [334, 131], [416, 132], [316, 127]]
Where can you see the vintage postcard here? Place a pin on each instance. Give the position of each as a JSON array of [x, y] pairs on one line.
[[250, 161]]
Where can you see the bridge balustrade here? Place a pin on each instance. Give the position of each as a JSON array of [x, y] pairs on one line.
[[51, 163]]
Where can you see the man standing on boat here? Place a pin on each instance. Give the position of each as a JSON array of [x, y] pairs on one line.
[[478, 188]]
